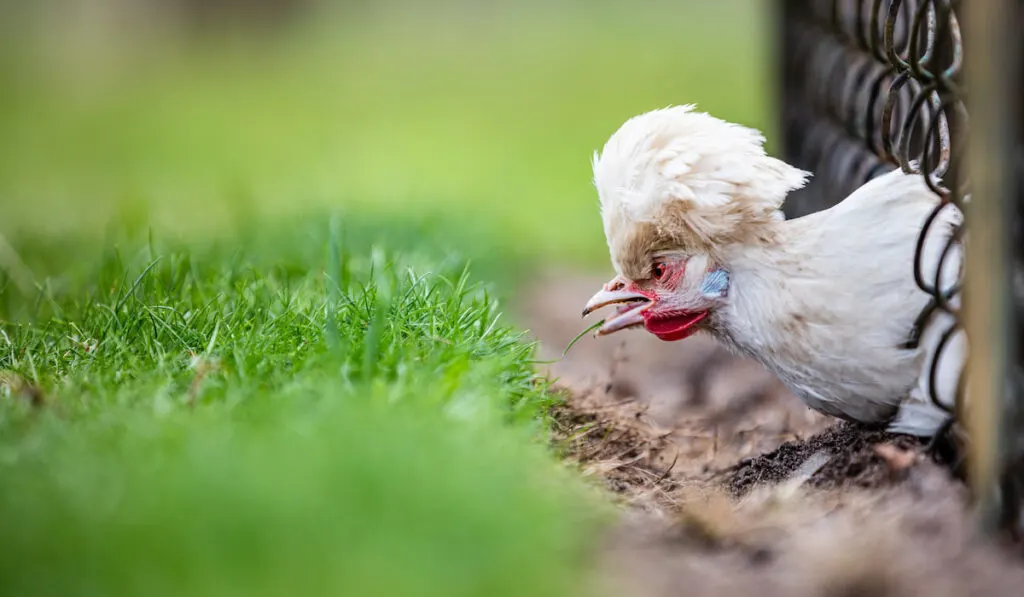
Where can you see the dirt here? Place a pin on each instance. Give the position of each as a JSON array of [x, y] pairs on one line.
[[731, 486], [858, 457]]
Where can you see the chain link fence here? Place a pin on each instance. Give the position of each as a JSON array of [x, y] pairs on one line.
[[872, 85]]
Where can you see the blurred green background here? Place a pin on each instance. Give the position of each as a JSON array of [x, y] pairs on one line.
[[241, 351], [394, 109]]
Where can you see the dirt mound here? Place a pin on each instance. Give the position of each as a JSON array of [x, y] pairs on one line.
[[849, 511], [858, 456]]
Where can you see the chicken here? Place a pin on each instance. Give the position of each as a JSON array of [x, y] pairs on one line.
[[691, 207]]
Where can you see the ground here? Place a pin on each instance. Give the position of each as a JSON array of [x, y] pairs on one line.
[[730, 486]]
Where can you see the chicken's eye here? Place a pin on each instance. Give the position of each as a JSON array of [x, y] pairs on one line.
[[658, 270]]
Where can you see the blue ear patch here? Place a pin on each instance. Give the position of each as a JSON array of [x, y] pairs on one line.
[[715, 284]]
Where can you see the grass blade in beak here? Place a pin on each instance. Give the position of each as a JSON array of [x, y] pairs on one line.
[[580, 335]]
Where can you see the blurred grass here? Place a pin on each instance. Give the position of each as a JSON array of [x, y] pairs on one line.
[[262, 367], [202, 424], [493, 119]]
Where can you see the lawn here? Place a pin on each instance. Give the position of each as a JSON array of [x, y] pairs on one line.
[[251, 339]]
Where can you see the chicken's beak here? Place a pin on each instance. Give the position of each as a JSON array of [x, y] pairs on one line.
[[610, 297], [630, 313]]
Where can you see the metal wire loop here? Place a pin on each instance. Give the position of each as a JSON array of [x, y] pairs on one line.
[[882, 90]]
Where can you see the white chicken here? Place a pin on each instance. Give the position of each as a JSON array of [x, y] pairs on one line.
[[691, 207]]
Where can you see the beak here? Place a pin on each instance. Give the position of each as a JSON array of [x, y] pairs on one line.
[[610, 297], [629, 315]]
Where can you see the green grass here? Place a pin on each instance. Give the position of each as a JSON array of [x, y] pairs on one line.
[[213, 425], [261, 311]]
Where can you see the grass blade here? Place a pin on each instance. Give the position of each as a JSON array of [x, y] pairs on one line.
[[580, 335]]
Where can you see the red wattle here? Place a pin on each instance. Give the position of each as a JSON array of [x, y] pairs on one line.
[[676, 327]]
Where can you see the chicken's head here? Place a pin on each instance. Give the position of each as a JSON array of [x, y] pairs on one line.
[[681, 192], [678, 294]]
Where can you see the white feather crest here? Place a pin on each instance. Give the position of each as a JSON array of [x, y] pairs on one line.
[[702, 164]]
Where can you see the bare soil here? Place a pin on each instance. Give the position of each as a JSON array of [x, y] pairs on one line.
[[731, 486], [857, 457]]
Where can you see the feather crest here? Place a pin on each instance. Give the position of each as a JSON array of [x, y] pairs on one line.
[[683, 180]]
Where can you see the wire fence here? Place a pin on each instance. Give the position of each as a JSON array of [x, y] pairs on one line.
[[868, 86]]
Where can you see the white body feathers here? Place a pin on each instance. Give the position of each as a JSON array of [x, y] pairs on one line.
[[832, 306]]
